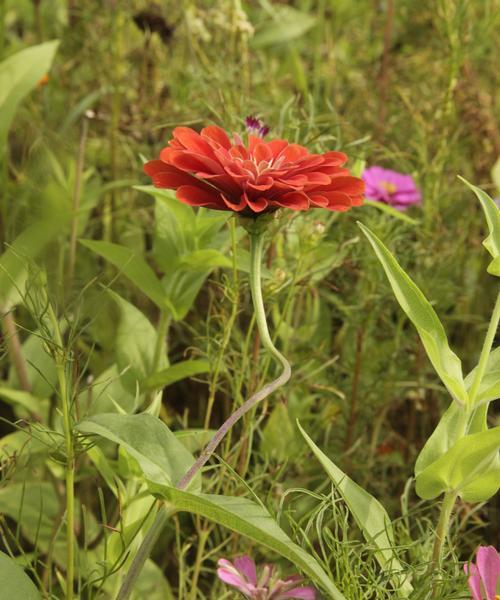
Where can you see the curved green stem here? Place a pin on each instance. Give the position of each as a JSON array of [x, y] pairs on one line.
[[257, 241], [441, 532]]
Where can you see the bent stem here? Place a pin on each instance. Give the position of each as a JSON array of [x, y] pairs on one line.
[[441, 533], [256, 244]]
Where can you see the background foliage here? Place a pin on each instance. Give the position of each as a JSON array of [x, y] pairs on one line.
[[407, 85]]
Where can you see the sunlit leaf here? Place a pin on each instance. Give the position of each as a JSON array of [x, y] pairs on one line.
[[465, 466], [424, 317], [492, 214], [489, 389], [369, 514]]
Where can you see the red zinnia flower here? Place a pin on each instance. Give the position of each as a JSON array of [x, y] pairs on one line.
[[209, 170]]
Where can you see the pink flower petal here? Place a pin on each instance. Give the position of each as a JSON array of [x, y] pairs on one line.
[[246, 565], [488, 565]]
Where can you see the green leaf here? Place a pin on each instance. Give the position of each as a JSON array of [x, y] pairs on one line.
[[135, 344], [369, 514], [24, 399], [424, 317], [134, 267], [489, 388], [15, 582], [205, 259], [492, 214], [254, 522], [161, 456], [19, 74], [464, 466], [177, 372], [287, 25], [445, 435], [389, 210]]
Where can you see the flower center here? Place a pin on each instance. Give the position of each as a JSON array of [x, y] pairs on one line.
[[388, 187]]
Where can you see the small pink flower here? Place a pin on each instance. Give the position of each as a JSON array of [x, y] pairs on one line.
[[484, 576], [390, 187], [242, 575]]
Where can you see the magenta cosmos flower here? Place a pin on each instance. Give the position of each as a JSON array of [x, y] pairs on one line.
[[242, 575], [484, 576], [393, 188]]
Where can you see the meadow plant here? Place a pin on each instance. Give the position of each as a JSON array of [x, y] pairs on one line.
[[151, 422]]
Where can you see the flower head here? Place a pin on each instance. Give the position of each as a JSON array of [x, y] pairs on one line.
[[242, 575], [393, 188], [208, 169], [484, 576], [256, 127]]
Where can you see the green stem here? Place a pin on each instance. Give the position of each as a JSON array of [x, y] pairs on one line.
[[485, 352], [70, 456], [257, 241], [442, 531], [160, 347]]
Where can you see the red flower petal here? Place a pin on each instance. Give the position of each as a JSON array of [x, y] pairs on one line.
[[237, 206], [192, 141], [196, 196], [217, 135], [293, 200]]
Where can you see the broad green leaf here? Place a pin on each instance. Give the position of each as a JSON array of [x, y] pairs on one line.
[[279, 437], [15, 582], [369, 514], [463, 467], [135, 345], [492, 214], [161, 456], [205, 259], [24, 399], [134, 267], [254, 522], [19, 74], [386, 208], [448, 430], [107, 393], [424, 317], [485, 486], [287, 25], [194, 439], [177, 372], [182, 287], [489, 388]]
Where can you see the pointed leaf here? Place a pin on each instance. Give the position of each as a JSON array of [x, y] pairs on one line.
[[134, 267], [254, 522], [161, 456], [15, 582], [492, 214], [369, 514], [490, 383], [424, 317], [177, 372], [19, 74], [462, 467]]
